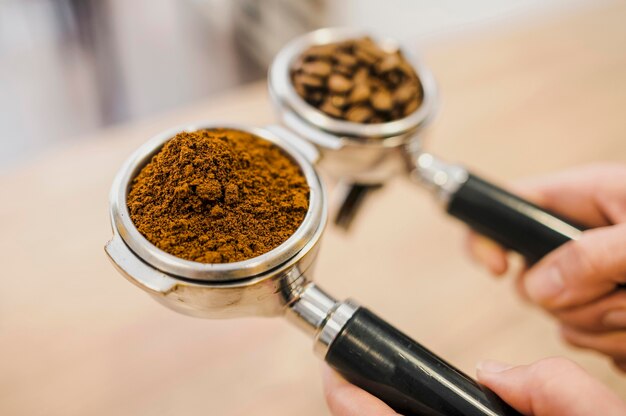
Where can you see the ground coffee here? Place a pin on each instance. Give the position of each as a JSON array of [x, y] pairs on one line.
[[357, 81], [218, 196]]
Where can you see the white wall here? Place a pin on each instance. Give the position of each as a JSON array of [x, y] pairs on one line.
[[410, 19]]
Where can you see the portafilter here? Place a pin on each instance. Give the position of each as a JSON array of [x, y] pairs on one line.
[[366, 154], [361, 346]]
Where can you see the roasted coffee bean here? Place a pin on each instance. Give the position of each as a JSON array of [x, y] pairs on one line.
[[407, 69], [360, 92], [405, 92], [315, 97], [308, 80], [381, 100], [367, 46], [364, 57], [345, 59], [344, 70], [321, 51], [339, 101], [360, 114], [358, 81], [377, 83], [317, 68], [393, 78], [388, 63], [361, 75], [329, 108], [300, 89], [339, 83], [411, 106]]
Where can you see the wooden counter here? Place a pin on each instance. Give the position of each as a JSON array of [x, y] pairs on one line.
[[78, 339]]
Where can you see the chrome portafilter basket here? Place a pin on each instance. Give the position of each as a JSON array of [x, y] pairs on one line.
[[361, 157], [259, 286], [364, 156], [365, 349]]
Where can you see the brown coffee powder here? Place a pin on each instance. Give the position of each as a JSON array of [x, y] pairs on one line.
[[218, 196]]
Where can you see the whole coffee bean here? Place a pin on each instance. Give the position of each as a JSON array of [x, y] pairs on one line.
[[411, 106], [381, 100], [339, 101], [388, 63], [345, 59], [317, 68], [364, 57], [329, 108], [324, 51], [359, 114], [405, 92], [339, 83], [361, 75], [361, 92], [344, 70], [308, 80]]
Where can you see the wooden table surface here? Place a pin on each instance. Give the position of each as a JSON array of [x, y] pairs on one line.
[[78, 339]]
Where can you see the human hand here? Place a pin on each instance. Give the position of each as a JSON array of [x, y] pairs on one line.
[[550, 387], [577, 283]]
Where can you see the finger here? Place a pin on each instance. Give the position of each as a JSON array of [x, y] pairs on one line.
[[550, 387], [606, 314], [345, 399], [488, 253], [612, 344], [592, 195], [579, 271]]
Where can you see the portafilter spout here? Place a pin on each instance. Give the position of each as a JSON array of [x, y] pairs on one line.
[[365, 349]]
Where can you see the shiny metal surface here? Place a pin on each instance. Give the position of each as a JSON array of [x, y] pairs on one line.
[[338, 318], [443, 178], [357, 152], [311, 309], [262, 286]]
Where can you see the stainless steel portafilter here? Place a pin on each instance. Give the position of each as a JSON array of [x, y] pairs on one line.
[[360, 345], [366, 154]]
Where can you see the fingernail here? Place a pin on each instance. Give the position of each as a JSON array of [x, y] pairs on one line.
[[615, 319], [491, 366], [545, 285]]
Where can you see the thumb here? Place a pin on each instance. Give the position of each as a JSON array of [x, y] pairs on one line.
[[550, 387], [579, 271]]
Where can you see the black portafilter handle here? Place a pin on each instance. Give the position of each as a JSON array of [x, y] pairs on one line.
[[513, 222], [412, 380]]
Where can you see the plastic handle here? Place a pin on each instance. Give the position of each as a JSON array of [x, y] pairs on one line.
[[510, 220], [375, 356]]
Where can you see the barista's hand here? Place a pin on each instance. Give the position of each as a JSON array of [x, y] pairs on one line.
[[550, 387], [577, 283]]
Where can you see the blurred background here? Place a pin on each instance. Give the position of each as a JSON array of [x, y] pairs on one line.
[[71, 67]]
